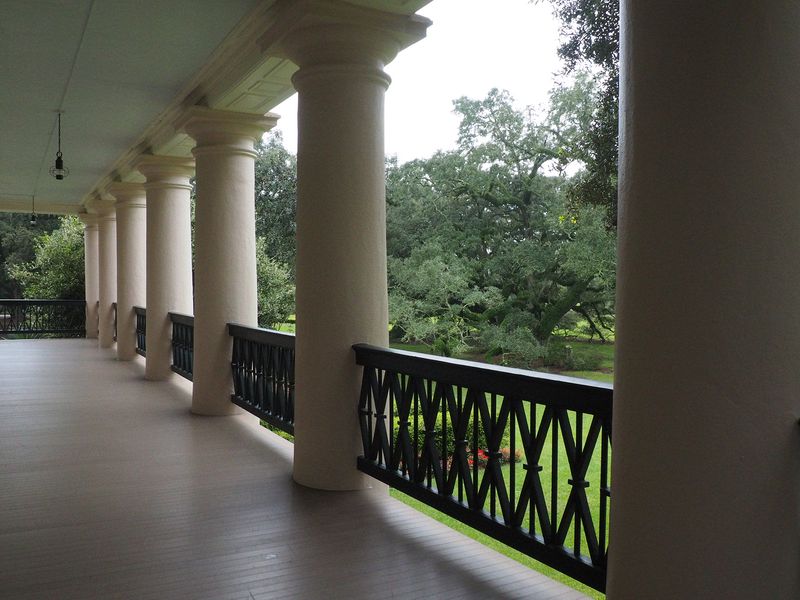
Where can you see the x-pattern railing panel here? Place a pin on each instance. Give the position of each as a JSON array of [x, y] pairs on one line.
[[37, 318], [450, 434], [141, 330], [262, 366], [182, 345]]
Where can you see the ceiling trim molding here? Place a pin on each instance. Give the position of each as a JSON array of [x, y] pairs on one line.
[[240, 76], [43, 207], [237, 56]]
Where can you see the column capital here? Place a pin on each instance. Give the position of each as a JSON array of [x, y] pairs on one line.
[[224, 131], [128, 194], [333, 32], [165, 171], [101, 205], [89, 220]]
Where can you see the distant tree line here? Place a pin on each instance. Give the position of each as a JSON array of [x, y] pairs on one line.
[[28, 253], [491, 247]]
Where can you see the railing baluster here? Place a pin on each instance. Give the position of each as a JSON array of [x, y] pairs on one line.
[[512, 457], [604, 490]]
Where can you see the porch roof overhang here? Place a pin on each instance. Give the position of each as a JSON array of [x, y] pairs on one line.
[[123, 72]]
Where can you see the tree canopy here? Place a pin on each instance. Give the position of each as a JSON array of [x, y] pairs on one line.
[[276, 199], [17, 241], [590, 32], [57, 269], [485, 249], [275, 288]]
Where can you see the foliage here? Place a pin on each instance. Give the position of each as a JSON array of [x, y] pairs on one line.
[[486, 251], [276, 199], [590, 29], [57, 268], [17, 240], [432, 300], [417, 435], [275, 288]]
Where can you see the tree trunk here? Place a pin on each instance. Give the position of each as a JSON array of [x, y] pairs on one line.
[[556, 311]]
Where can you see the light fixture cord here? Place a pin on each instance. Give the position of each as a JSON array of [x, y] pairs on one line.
[[59, 132]]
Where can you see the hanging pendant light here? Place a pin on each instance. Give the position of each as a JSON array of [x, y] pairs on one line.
[[58, 170], [33, 210]]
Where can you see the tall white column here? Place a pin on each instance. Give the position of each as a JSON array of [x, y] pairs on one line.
[[706, 471], [131, 262], [107, 281], [341, 228], [225, 246], [91, 269], [169, 254]]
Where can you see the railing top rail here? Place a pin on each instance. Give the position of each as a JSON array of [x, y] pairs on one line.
[[39, 301], [260, 335], [139, 310], [181, 319], [544, 388]]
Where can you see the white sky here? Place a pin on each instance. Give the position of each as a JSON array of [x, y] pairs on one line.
[[472, 46]]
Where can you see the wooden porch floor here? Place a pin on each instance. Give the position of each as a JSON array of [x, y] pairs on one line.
[[109, 488]]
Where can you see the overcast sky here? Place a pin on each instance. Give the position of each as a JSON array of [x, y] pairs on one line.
[[472, 46]]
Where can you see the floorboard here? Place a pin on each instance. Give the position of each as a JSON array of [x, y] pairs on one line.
[[110, 488]]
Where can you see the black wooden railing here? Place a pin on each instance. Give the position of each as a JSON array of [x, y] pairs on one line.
[[262, 365], [521, 456], [42, 318], [182, 344], [114, 308], [141, 330]]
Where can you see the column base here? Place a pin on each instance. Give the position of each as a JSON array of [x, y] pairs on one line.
[[324, 479], [217, 411]]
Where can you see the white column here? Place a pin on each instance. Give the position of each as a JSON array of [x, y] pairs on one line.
[[341, 229], [107, 245], [706, 471], [131, 262], [225, 239], [169, 254], [91, 275]]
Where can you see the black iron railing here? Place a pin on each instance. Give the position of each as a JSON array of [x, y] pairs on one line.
[[262, 365], [114, 308], [521, 456], [182, 344], [141, 330], [42, 318]]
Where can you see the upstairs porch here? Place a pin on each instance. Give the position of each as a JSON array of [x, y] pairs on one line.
[[111, 488]]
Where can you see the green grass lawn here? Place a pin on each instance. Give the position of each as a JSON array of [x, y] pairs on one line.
[[495, 545], [587, 352], [593, 375]]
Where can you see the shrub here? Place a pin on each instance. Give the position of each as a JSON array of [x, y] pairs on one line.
[[449, 437], [275, 288]]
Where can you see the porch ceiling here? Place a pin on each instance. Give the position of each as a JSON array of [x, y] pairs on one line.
[[119, 69]]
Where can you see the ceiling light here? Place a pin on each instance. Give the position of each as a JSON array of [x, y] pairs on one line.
[[58, 170]]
